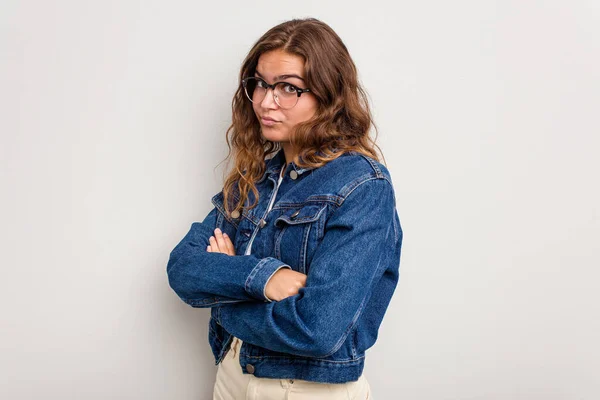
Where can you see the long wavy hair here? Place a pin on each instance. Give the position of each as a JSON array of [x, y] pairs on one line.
[[341, 123]]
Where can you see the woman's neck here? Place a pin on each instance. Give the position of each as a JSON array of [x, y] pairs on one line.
[[288, 152]]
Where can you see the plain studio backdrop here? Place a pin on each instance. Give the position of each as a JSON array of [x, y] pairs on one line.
[[112, 121]]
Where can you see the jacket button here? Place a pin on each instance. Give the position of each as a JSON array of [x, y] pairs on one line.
[[235, 214], [293, 175], [250, 368], [262, 223], [294, 215]]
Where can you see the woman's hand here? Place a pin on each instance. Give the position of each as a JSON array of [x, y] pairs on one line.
[[284, 283], [220, 243]]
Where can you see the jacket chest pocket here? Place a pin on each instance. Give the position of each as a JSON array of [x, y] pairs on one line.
[[299, 229]]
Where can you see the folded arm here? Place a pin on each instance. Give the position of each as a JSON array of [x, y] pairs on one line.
[[362, 242], [207, 279]]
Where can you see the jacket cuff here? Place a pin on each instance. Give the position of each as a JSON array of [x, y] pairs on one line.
[[259, 276]]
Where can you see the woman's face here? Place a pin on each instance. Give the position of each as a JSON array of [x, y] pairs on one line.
[[277, 123]]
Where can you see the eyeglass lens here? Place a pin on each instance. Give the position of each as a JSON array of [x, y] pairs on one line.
[[285, 94]]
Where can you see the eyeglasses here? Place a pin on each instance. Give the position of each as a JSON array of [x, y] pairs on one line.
[[286, 95]]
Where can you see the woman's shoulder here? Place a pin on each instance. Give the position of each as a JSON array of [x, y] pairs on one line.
[[350, 170], [364, 163], [355, 165]]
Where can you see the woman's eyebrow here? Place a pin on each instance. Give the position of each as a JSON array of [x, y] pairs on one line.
[[280, 77], [288, 76]]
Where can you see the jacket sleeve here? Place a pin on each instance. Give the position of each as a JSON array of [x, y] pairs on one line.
[[203, 279], [361, 242]]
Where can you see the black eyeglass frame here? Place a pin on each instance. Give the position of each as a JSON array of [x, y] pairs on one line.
[[245, 85]]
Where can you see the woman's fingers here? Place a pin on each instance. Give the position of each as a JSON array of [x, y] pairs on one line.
[[220, 241], [229, 245], [213, 244]]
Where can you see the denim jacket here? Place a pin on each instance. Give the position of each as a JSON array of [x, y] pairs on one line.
[[338, 225]]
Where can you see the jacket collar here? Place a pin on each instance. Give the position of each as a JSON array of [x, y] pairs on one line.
[[275, 163]]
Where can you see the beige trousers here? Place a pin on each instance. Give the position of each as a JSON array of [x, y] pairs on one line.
[[233, 384]]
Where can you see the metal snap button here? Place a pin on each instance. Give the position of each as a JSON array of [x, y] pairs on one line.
[[294, 215], [293, 175], [262, 223], [235, 214], [250, 368]]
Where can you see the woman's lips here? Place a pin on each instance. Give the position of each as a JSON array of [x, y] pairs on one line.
[[268, 121]]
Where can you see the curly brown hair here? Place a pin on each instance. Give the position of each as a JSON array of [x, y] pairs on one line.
[[342, 121]]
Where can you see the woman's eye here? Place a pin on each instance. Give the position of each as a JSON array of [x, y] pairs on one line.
[[287, 88], [261, 84]]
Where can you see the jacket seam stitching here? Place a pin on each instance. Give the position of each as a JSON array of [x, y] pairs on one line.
[[308, 360]]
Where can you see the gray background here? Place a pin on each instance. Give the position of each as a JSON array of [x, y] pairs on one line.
[[112, 121]]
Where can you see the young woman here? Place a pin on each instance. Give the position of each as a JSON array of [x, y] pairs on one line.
[[299, 258]]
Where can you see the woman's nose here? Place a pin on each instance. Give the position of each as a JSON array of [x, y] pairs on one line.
[[269, 100]]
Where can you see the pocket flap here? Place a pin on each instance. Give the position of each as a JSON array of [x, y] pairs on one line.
[[302, 214]]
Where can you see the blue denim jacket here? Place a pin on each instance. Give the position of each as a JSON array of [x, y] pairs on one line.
[[338, 225]]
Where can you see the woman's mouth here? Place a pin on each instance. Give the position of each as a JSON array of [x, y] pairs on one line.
[[268, 121]]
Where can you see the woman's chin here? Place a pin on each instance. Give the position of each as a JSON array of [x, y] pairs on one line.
[[274, 136]]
